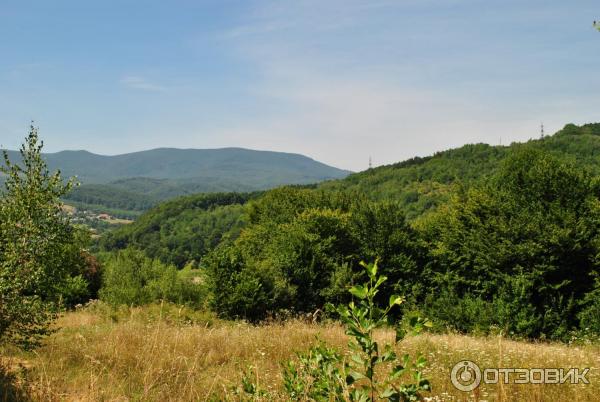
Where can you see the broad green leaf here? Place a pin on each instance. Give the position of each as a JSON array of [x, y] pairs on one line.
[[373, 269], [388, 356], [359, 291], [355, 375], [397, 372], [357, 359], [396, 300], [381, 279]]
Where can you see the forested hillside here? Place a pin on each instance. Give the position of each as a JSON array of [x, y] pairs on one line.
[[420, 184], [182, 231], [417, 185], [517, 251]]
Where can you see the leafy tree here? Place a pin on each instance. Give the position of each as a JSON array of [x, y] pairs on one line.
[[302, 249], [525, 243], [34, 236], [84, 280]]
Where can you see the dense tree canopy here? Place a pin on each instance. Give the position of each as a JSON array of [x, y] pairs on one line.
[[422, 184], [302, 249], [517, 251], [526, 242]]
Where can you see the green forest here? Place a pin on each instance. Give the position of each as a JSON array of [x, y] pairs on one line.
[[478, 238]]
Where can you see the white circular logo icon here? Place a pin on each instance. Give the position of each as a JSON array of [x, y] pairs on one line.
[[466, 375]]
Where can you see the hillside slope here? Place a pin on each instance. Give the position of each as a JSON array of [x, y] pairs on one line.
[[423, 183], [183, 230]]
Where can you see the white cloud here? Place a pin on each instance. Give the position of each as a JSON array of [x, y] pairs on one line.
[[140, 83]]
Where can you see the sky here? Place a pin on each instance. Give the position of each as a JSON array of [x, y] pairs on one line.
[[337, 80]]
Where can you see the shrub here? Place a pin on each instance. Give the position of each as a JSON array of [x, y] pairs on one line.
[[131, 278]]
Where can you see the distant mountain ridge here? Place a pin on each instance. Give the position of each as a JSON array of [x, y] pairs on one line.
[[135, 181], [262, 168]]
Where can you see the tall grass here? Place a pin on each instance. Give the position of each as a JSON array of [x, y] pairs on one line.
[[166, 353]]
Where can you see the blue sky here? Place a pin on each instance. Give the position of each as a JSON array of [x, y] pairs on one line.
[[336, 80]]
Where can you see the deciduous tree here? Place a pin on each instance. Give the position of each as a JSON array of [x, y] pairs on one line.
[[34, 236]]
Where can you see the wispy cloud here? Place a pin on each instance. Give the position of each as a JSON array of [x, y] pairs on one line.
[[391, 80], [140, 83]]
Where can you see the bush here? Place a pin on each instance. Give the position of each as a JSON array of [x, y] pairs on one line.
[[131, 278], [589, 317]]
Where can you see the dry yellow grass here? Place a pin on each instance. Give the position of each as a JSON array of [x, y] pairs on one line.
[[154, 354]]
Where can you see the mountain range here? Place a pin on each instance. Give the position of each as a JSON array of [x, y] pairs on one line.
[[139, 180]]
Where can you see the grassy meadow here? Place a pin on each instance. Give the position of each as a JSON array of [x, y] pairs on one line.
[[166, 353]]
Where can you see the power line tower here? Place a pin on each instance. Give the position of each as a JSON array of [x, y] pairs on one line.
[[542, 135], [370, 163]]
